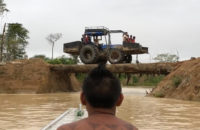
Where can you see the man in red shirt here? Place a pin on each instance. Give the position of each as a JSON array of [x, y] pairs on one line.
[[133, 39], [86, 39]]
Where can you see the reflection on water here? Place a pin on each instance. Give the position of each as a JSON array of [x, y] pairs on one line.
[[32, 112]]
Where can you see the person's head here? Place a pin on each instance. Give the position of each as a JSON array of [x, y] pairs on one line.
[[125, 33], [131, 36], [101, 89]]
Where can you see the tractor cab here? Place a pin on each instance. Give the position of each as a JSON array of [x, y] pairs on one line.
[[101, 33], [96, 35], [96, 31]]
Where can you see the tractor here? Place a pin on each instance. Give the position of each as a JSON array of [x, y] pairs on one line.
[[93, 52]]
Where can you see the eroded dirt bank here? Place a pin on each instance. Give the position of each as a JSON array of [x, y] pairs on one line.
[[182, 83], [34, 76]]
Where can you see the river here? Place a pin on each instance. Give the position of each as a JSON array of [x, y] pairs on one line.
[[32, 112]]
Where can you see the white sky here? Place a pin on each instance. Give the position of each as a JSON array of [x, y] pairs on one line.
[[162, 25]]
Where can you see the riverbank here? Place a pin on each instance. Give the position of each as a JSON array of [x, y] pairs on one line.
[[182, 83], [34, 76]]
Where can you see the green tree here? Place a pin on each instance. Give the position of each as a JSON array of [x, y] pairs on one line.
[[52, 38], [62, 60], [166, 57], [16, 41], [41, 57], [75, 59]]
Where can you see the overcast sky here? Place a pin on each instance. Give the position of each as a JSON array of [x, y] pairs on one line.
[[165, 26]]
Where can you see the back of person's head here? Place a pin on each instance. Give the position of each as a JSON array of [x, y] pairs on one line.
[[101, 88]]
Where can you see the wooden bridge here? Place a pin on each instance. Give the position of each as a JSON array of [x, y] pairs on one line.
[[150, 68]]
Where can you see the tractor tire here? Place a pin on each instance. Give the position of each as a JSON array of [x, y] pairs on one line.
[[128, 59], [115, 56], [89, 54]]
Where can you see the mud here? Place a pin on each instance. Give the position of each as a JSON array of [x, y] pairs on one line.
[[34, 76], [182, 83]]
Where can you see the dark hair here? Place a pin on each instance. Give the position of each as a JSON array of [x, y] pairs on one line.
[[101, 88]]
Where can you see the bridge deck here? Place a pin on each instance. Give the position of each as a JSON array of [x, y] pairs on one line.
[[150, 68]]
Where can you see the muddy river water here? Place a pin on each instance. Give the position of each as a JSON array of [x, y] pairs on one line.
[[32, 112]]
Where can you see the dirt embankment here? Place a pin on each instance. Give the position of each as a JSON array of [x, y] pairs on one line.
[[34, 76], [182, 83]]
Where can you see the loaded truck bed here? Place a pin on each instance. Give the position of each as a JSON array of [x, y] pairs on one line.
[[74, 48]]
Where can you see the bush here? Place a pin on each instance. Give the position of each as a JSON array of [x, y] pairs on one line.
[[154, 80], [177, 80], [159, 94], [146, 80], [59, 60], [135, 79], [41, 56], [81, 76]]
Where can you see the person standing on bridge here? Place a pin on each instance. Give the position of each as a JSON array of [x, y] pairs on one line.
[[101, 94]]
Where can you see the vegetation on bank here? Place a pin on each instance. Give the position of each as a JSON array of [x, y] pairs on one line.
[[141, 80], [176, 81], [159, 94], [59, 60], [135, 80]]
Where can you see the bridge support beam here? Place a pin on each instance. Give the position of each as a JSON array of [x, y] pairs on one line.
[[153, 68]]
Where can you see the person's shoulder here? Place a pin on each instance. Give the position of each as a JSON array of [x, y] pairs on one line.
[[127, 125], [72, 126], [64, 127]]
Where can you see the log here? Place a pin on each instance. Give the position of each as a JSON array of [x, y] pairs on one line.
[[150, 68]]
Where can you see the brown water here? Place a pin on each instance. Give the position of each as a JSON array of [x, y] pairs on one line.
[[32, 112]]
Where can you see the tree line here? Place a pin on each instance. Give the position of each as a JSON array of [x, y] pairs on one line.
[[13, 38], [59, 60]]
